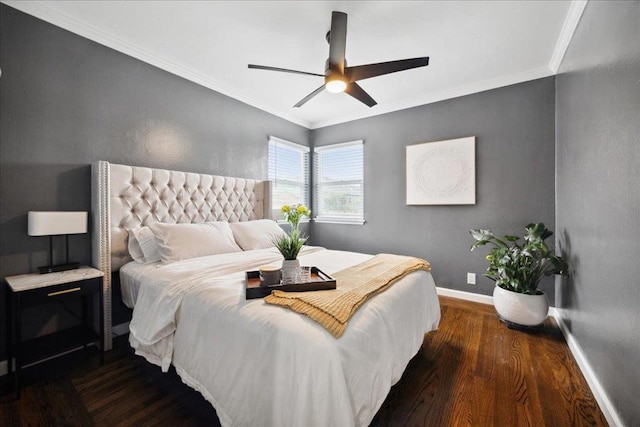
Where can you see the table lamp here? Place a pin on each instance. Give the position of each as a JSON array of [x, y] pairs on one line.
[[57, 224]]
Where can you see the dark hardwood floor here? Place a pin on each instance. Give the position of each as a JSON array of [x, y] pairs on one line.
[[472, 371], [475, 371]]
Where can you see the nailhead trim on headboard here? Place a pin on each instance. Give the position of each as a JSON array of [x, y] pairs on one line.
[[126, 197]]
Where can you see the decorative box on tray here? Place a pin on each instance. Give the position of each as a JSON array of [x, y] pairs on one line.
[[319, 281]]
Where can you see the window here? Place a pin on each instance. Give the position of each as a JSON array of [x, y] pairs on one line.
[[289, 173], [339, 182]]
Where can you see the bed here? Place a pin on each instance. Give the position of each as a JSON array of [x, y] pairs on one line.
[[258, 364]]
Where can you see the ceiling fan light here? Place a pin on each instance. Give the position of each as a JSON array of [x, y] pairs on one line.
[[335, 85]]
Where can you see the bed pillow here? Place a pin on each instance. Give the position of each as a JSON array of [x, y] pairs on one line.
[[184, 241], [142, 245], [258, 234]]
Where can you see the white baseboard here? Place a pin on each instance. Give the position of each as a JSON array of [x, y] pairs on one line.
[[608, 409], [121, 329], [467, 296], [483, 299]]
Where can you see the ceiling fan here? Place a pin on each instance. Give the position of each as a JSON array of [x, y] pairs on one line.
[[340, 78]]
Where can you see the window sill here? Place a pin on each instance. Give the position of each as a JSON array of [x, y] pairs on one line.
[[345, 221], [285, 222]]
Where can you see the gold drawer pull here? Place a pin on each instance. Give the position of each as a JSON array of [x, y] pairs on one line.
[[66, 291]]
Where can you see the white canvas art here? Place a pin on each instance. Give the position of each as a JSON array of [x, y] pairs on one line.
[[442, 172]]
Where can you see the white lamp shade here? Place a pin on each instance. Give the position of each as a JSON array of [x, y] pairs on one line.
[[56, 223]]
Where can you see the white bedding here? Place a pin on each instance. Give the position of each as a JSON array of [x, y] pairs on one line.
[[266, 365]]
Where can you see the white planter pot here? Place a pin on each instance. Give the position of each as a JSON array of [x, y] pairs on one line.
[[290, 269], [521, 309]]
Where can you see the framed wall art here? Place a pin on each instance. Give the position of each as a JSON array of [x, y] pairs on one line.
[[442, 172]]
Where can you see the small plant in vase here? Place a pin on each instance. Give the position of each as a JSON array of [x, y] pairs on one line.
[[291, 243], [517, 270]]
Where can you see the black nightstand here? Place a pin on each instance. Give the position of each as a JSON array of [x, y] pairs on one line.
[[36, 289]]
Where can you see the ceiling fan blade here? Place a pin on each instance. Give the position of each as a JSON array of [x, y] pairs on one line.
[[284, 70], [308, 97], [337, 41], [361, 72], [358, 93]]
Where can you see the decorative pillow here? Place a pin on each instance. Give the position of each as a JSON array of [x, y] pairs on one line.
[[258, 234], [142, 245], [184, 241]]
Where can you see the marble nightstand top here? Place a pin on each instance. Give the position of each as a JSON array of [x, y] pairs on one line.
[[27, 282]]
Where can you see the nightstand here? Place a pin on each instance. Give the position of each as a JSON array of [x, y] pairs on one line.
[[37, 289]]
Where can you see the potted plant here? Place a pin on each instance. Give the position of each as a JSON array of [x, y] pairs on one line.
[[290, 244], [517, 270]]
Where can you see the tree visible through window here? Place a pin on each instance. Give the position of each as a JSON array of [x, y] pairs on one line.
[[339, 182], [289, 174]]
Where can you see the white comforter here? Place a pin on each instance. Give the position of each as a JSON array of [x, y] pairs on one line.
[[266, 365]]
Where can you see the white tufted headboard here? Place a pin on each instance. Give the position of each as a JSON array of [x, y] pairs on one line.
[[125, 197]]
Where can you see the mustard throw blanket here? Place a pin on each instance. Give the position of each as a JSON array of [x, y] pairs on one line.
[[355, 285]]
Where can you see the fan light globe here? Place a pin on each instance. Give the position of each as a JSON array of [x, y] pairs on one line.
[[336, 85]]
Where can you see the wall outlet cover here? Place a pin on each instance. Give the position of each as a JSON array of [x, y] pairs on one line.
[[471, 278]]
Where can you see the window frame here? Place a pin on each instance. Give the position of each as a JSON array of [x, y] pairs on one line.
[[335, 219], [305, 173]]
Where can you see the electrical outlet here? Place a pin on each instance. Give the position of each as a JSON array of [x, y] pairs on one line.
[[471, 278]]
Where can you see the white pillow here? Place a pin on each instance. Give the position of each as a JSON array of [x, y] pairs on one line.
[[142, 245], [258, 234], [184, 241]]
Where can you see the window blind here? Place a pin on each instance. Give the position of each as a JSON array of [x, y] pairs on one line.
[[339, 182], [289, 174]]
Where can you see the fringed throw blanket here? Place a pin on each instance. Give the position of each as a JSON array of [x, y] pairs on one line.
[[355, 285]]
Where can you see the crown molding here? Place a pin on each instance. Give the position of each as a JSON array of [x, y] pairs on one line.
[[45, 13], [442, 95], [566, 33]]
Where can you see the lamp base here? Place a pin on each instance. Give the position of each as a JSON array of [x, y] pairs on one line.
[[59, 267]]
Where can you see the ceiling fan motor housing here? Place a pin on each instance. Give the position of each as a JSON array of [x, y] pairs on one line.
[[332, 75]]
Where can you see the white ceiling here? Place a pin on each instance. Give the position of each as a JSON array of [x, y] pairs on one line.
[[472, 45]]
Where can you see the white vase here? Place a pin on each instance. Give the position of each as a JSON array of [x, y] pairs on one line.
[[520, 309], [290, 270]]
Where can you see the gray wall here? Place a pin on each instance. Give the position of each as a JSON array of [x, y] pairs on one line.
[[598, 195], [66, 102], [514, 129]]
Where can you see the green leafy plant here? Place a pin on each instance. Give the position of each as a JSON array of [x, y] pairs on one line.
[[520, 267], [289, 245]]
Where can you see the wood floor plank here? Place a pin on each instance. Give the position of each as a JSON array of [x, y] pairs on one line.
[[64, 406], [483, 399], [473, 371], [96, 379]]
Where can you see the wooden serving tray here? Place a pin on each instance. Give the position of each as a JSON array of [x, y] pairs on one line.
[[320, 281]]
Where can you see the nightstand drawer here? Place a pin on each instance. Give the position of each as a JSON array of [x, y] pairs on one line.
[[51, 293]]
